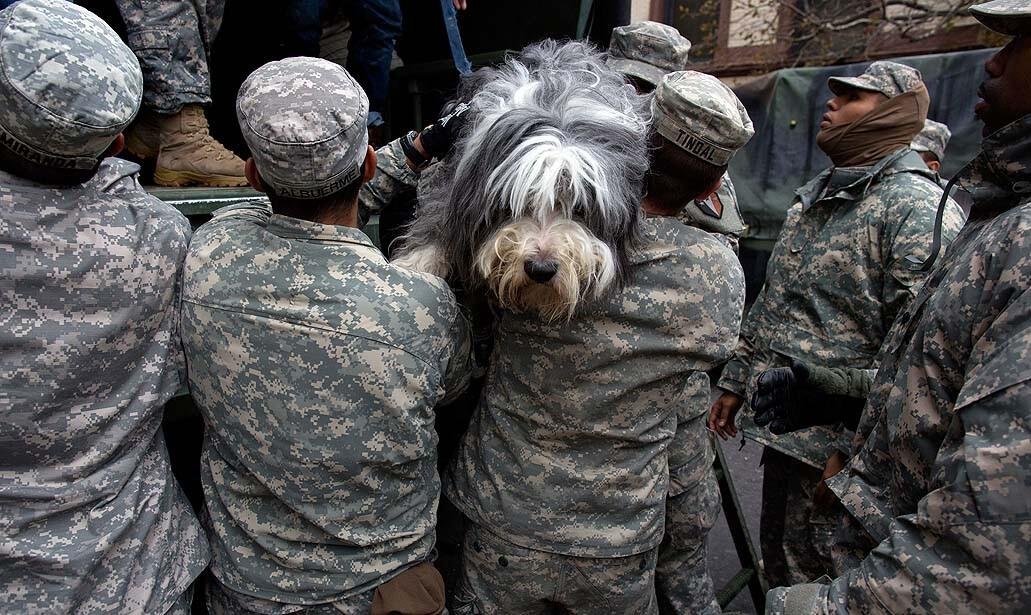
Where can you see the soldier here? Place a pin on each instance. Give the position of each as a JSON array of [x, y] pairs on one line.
[[563, 471], [845, 264], [931, 144], [316, 365], [643, 52], [937, 494], [171, 38], [92, 518]]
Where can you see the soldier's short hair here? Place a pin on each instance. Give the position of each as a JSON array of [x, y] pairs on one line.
[[676, 177]]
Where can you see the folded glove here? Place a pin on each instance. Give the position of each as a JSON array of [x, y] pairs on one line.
[[791, 398]]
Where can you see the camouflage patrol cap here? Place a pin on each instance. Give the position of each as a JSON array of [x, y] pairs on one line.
[[647, 50], [1010, 17], [934, 138], [888, 78], [702, 115], [68, 85], [304, 121]]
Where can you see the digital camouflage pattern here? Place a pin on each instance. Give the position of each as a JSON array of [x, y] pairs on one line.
[[1009, 17], [304, 122], [647, 50], [91, 518], [68, 85], [499, 577], [939, 480], [682, 581], [844, 265], [934, 138], [888, 78], [699, 113], [567, 452], [394, 179], [172, 38], [316, 365]]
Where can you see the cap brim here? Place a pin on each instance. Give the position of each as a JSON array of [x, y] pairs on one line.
[[838, 85], [635, 68], [998, 16]]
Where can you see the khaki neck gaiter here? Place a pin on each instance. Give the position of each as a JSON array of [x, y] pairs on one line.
[[885, 129]]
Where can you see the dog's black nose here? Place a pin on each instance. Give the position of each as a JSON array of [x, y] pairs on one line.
[[540, 272]]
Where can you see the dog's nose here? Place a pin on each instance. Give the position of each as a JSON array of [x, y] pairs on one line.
[[540, 272]]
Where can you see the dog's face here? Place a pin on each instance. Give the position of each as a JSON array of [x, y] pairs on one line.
[[549, 266], [543, 195]]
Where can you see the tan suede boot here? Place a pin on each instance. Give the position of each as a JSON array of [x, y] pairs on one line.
[[190, 156], [143, 139]]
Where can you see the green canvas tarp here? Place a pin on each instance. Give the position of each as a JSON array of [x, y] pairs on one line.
[[786, 107]]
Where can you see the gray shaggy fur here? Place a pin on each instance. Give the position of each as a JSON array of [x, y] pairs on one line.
[[549, 90]]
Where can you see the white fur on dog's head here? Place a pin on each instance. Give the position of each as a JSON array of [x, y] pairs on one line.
[[547, 176]]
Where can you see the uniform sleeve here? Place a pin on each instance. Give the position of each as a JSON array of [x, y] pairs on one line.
[[908, 240], [393, 180], [735, 374], [965, 547], [459, 368]]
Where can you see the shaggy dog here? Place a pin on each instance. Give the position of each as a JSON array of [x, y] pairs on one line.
[[539, 201]]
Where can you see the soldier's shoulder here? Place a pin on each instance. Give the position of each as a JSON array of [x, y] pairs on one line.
[[916, 186], [426, 289], [1008, 237], [121, 179], [699, 246]]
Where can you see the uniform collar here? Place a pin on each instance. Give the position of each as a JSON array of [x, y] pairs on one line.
[[851, 183], [999, 177], [295, 228]]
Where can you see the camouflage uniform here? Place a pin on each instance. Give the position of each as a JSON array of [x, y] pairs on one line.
[[938, 488], [934, 138], [394, 179], [317, 366], [91, 518], [647, 51], [843, 267], [565, 462], [171, 38]]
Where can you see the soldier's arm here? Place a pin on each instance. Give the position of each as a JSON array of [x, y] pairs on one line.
[[965, 547], [735, 374], [394, 179], [459, 368], [907, 244]]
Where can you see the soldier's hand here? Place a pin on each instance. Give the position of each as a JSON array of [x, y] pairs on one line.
[[722, 413], [823, 497], [437, 139], [780, 397]]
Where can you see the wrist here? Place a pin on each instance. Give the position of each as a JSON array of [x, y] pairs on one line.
[[417, 143], [416, 159]]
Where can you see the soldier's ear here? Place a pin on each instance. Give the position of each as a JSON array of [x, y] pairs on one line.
[[250, 170], [116, 146], [369, 166], [934, 165]]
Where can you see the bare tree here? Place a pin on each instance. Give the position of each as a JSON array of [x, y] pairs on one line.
[[825, 31]]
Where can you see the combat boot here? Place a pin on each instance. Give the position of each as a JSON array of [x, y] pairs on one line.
[[190, 156], [143, 139]]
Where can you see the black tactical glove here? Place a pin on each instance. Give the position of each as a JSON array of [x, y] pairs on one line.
[[789, 398], [438, 138]]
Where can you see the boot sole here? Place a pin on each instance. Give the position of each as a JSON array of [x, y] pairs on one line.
[[182, 179]]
